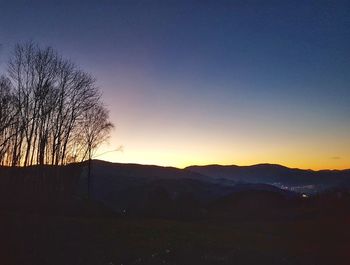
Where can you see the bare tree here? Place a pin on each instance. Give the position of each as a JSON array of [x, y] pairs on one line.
[[95, 129], [49, 102], [7, 117]]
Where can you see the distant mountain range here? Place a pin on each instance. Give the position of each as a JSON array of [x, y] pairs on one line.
[[299, 180], [134, 187], [214, 191]]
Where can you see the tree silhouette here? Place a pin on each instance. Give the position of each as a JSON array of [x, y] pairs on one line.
[[50, 111], [95, 130]]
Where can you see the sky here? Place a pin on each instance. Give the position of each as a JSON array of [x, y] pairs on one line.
[[206, 82]]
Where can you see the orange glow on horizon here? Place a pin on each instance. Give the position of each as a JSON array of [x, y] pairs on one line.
[[182, 160]]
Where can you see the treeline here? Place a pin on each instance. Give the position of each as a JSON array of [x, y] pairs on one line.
[[50, 110]]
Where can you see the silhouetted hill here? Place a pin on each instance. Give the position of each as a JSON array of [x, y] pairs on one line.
[[162, 191], [46, 189], [255, 201], [280, 176], [132, 189]]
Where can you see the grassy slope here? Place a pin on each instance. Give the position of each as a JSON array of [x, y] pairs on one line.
[[38, 239]]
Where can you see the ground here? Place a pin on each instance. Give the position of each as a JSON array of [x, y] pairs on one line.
[[51, 239]]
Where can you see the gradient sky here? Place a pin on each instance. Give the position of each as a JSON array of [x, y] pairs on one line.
[[201, 82]]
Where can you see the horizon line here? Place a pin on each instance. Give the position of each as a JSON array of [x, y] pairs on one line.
[[182, 168], [216, 164]]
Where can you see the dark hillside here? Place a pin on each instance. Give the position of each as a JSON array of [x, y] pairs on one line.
[[295, 179]]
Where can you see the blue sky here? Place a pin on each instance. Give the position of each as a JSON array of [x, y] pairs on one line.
[[197, 82]]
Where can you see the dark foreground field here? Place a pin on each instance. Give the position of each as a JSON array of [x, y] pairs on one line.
[[49, 239], [46, 219]]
